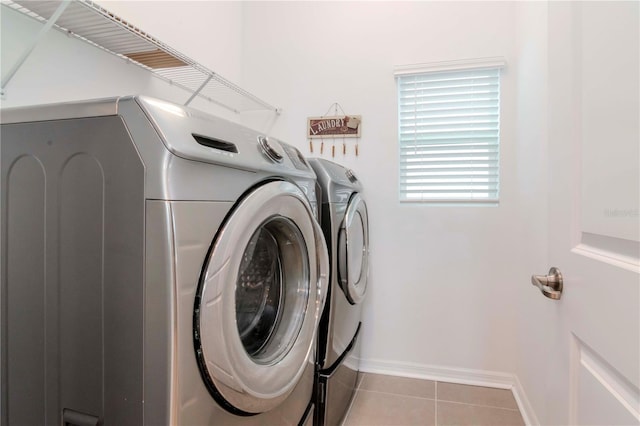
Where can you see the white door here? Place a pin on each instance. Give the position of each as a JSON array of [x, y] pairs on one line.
[[593, 363]]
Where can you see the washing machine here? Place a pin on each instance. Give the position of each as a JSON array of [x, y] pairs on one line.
[[159, 266], [345, 224]]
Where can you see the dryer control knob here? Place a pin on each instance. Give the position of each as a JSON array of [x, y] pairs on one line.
[[272, 149]]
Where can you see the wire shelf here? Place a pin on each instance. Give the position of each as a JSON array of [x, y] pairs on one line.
[[91, 23]]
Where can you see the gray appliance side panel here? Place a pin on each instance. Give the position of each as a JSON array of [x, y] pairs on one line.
[[195, 225], [177, 125], [23, 293], [72, 271], [345, 319], [340, 387], [341, 318], [174, 178], [60, 111], [333, 179], [159, 314]]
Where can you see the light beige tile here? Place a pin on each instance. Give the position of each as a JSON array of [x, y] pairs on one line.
[[456, 414], [477, 395], [383, 409], [398, 385]]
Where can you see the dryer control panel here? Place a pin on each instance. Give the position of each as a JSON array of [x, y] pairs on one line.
[[296, 157]]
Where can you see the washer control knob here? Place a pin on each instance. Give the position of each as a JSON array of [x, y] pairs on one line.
[[351, 176], [272, 149]]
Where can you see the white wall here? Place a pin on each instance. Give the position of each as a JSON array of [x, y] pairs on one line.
[[443, 279]]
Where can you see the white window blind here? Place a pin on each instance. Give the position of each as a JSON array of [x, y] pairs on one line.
[[449, 133]]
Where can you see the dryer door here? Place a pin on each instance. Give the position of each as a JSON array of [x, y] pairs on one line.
[[353, 250], [259, 299]]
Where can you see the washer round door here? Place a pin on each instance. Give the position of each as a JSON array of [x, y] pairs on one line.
[[259, 299], [353, 250]]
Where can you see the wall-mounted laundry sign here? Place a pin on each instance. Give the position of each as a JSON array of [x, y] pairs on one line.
[[345, 126], [337, 126]]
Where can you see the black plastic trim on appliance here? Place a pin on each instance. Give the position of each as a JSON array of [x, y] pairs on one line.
[[329, 371], [308, 414], [215, 143], [323, 330], [76, 418], [321, 409], [323, 325], [351, 176]]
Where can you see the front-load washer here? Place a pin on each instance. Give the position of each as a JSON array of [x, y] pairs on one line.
[[345, 224], [159, 266]]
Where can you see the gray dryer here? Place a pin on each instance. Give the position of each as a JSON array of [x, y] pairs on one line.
[[345, 224], [159, 266]]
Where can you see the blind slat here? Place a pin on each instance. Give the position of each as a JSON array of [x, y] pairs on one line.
[[448, 116], [449, 108], [466, 129], [446, 191], [416, 158], [453, 91], [446, 146], [461, 148], [435, 98], [449, 175], [434, 159], [471, 89]]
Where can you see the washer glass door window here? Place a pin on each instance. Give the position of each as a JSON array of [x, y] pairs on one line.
[[259, 298], [353, 250], [272, 290]]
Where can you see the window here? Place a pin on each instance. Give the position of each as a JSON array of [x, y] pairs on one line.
[[449, 132]]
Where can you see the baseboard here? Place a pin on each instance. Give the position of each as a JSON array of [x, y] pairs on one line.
[[464, 376], [439, 373], [526, 409]]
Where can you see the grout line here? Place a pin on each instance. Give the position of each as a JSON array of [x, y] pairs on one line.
[[480, 405], [435, 421], [396, 394], [476, 404], [348, 412], [356, 392]]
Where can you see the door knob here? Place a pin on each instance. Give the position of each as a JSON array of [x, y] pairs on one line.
[[550, 285]]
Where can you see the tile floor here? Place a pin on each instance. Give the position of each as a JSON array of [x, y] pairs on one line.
[[388, 400]]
